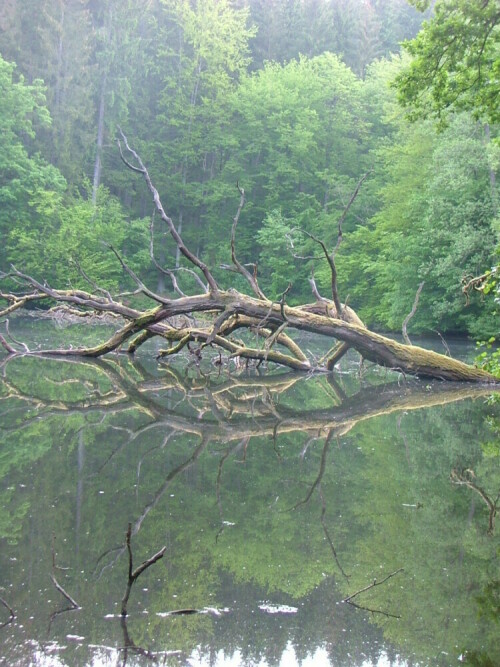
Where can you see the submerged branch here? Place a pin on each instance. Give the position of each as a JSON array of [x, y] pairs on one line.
[[12, 614], [73, 603], [133, 575]]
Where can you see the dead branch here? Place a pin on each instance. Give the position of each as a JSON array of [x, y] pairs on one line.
[[191, 257], [329, 539], [165, 272], [67, 596], [466, 478], [349, 598], [7, 346], [321, 472], [330, 258], [12, 614], [477, 283], [251, 279], [89, 280], [346, 211], [411, 314], [14, 340], [133, 575]]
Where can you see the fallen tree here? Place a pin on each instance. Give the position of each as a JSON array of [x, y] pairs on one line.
[[226, 311]]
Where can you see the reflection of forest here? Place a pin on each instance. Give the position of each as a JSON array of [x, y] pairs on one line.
[[278, 488]]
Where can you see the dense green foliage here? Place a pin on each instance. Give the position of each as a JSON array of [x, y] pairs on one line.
[[290, 99], [456, 60]]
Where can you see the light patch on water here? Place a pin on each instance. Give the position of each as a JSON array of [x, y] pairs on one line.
[[277, 608], [288, 659], [384, 661]]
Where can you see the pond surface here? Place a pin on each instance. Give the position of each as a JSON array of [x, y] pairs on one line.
[[306, 521]]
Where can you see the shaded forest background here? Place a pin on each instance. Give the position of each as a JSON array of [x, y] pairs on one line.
[[292, 99]]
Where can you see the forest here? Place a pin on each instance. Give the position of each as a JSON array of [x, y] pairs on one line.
[[238, 176], [299, 102]]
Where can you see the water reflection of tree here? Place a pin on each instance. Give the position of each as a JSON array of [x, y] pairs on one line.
[[188, 421]]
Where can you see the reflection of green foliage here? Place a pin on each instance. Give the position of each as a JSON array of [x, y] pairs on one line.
[[489, 601], [245, 522], [414, 510], [478, 659], [47, 381]]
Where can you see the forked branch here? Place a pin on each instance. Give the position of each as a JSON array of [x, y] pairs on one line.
[[133, 575]]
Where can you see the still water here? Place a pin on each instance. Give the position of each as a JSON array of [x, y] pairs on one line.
[[306, 521]]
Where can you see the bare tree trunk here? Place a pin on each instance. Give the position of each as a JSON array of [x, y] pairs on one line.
[[100, 139]]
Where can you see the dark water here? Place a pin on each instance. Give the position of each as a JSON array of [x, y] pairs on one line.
[[277, 496]]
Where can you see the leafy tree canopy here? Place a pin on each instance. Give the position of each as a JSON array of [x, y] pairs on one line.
[[456, 63]]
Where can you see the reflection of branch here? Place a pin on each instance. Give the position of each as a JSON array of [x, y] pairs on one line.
[[329, 539], [129, 645], [243, 443], [217, 492], [74, 606], [320, 474], [133, 575], [349, 598], [12, 614], [54, 564], [129, 393], [465, 478], [171, 475]]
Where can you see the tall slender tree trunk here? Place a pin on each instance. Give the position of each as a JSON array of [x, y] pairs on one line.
[[60, 52], [102, 106], [100, 139], [492, 174], [192, 101]]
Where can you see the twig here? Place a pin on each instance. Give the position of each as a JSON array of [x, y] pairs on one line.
[[91, 282], [445, 344], [137, 280], [314, 289], [349, 598], [282, 301], [165, 272], [346, 210]]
